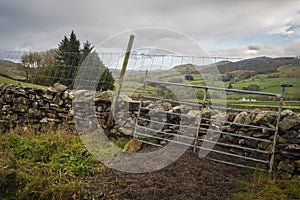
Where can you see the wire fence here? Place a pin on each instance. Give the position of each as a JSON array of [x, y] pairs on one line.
[[101, 71], [46, 68]]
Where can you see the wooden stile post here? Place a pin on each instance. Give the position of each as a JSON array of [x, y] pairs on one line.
[[121, 79]]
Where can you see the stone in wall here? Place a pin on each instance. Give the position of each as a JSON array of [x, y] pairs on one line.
[[21, 106]]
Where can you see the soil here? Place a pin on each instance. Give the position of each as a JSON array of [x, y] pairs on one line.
[[187, 178]]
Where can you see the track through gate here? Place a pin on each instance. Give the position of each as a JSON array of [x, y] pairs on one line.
[[217, 138]]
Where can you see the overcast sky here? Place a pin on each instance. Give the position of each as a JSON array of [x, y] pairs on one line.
[[221, 28]]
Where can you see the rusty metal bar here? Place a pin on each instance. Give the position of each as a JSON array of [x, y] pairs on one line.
[[284, 85]]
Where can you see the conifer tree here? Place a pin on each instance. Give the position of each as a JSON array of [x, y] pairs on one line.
[[69, 57]]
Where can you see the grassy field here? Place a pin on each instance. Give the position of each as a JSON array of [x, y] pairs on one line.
[[271, 85], [267, 82], [14, 82]]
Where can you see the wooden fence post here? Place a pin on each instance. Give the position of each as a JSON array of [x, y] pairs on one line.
[[121, 79]]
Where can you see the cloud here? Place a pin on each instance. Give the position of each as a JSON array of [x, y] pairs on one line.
[[40, 25], [254, 47], [292, 49]]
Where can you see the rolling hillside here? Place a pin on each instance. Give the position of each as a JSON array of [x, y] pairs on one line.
[[12, 70], [259, 65]]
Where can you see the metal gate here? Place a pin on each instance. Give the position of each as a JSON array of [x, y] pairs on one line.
[[207, 133]]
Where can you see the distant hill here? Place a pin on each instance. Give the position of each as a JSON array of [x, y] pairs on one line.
[[12, 70], [262, 65], [279, 67]]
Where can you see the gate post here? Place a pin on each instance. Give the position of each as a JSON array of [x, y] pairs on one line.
[[284, 85], [115, 96]]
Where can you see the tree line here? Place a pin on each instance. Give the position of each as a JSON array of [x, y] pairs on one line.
[[62, 64]]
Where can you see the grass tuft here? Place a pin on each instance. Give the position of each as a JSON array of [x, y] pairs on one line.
[[263, 186], [48, 165]]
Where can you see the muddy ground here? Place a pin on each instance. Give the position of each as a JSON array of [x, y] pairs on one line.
[[187, 178]]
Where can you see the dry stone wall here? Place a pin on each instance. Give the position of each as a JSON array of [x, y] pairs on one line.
[[21, 106]]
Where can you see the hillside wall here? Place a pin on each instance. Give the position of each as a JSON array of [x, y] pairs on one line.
[[21, 106]]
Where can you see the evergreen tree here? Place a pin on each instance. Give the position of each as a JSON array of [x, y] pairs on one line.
[[86, 49], [67, 60], [69, 57], [93, 69]]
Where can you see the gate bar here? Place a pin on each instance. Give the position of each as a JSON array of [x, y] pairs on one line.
[[173, 101], [208, 149], [237, 135], [235, 164], [204, 140], [215, 88], [244, 125]]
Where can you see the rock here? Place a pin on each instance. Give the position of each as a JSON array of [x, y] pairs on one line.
[[289, 122], [194, 113], [48, 97], [260, 135], [231, 116], [60, 87], [297, 162], [228, 128], [21, 92], [181, 109], [286, 113], [282, 140], [57, 100], [263, 145], [294, 141], [265, 119], [8, 98], [125, 131], [251, 116], [206, 112], [21, 100], [241, 142], [51, 90], [240, 118], [7, 108], [12, 117], [293, 147], [291, 151], [21, 108], [133, 146], [237, 151], [44, 120], [219, 120], [220, 117], [153, 140], [33, 112], [291, 135], [286, 166], [166, 105], [134, 105], [251, 143]]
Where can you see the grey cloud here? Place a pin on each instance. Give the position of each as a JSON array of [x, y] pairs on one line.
[[292, 49], [42, 23], [254, 47]]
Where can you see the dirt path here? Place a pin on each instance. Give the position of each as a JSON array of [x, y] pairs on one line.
[[187, 178]]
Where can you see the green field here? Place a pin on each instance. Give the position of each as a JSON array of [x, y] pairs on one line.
[[265, 82], [271, 85], [14, 82]]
